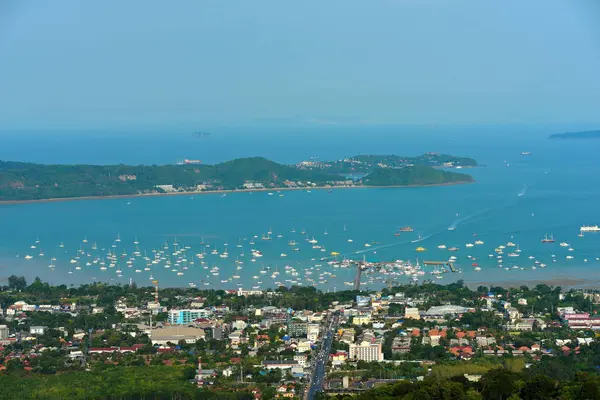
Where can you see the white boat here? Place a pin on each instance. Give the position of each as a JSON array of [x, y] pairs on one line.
[[442, 246], [564, 244], [590, 228]]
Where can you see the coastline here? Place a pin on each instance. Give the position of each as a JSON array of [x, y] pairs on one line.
[[229, 191]]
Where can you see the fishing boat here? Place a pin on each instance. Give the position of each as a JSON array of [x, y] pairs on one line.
[[548, 239], [406, 229]]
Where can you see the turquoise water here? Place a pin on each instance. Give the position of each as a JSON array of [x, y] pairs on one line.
[[558, 183]]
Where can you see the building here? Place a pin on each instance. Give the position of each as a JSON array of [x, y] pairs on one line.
[[37, 330], [366, 351], [412, 312], [187, 316], [312, 333], [302, 360], [166, 188], [3, 332], [279, 364], [439, 313], [582, 321], [361, 320], [303, 346], [164, 336], [297, 329]]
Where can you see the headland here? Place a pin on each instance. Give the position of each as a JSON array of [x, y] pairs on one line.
[[28, 182]]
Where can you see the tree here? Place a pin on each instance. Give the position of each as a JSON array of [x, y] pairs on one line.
[[17, 282]]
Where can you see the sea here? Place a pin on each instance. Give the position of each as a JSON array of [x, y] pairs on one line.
[[516, 198]]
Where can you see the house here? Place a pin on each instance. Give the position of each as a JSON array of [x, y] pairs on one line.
[[235, 338]]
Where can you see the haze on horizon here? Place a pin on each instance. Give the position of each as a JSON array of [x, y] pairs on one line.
[[73, 64]]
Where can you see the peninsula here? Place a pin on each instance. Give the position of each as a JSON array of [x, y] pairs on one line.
[[36, 182], [585, 135]]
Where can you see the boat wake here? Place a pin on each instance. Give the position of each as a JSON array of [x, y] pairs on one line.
[[459, 221], [522, 192], [422, 238]]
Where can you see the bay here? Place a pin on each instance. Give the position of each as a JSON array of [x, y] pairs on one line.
[[515, 198]]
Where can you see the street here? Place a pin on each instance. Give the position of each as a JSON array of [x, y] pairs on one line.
[[319, 361]]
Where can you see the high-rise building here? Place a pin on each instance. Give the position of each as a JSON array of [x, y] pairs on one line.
[[297, 329], [366, 351], [187, 316]]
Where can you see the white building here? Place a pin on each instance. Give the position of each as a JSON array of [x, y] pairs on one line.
[[312, 332], [366, 351], [37, 330]]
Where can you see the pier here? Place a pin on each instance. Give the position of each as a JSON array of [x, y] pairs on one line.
[[447, 264]]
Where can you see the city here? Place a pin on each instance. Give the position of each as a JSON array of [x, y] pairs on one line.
[[296, 342]]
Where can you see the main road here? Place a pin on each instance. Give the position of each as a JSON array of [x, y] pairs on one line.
[[321, 357]]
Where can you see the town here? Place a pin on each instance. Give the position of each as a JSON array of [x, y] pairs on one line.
[[296, 342]]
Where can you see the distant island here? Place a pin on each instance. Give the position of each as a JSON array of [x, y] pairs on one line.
[[585, 135], [21, 181]]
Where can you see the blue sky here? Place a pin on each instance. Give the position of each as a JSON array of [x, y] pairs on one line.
[[81, 64]]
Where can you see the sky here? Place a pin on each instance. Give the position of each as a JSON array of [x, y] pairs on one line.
[[113, 63]]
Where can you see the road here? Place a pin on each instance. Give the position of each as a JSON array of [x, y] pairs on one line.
[[321, 357]]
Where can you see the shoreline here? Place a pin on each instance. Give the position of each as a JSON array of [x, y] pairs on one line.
[[228, 191]]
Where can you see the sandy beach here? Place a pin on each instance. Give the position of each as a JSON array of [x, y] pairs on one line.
[[205, 192]]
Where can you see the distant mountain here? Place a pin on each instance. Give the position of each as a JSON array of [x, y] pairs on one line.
[[587, 135]]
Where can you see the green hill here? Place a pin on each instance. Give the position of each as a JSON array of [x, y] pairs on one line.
[[27, 181], [415, 175]]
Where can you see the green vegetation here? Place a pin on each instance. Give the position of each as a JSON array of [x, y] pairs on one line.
[[27, 181], [577, 135], [112, 382], [496, 384], [412, 176]]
